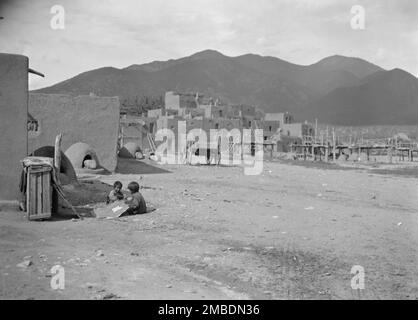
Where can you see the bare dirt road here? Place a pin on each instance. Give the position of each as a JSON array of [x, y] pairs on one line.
[[293, 232]]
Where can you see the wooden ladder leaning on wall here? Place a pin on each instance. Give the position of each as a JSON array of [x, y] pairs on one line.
[[151, 142]]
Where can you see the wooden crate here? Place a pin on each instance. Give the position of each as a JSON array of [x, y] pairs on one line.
[[38, 192]]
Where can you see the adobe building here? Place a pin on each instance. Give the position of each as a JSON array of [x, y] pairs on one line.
[[191, 113], [13, 122], [135, 130], [270, 128], [282, 118], [162, 112], [177, 100], [220, 111], [204, 124], [298, 130], [83, 120], [245, 110], [199, 112]]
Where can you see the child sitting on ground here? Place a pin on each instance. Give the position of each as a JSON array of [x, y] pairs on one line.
[[116, 193], [135, 201]]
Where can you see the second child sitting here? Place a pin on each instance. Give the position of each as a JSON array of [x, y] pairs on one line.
[[116, 194], [135, 200]]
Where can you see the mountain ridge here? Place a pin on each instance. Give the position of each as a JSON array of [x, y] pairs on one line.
[[270, 83]]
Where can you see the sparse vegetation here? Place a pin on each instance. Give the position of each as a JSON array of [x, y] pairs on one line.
[[141, 104]]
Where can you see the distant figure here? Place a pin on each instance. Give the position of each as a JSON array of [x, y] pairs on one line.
[[344, 156], [116, 193], [136, 201]]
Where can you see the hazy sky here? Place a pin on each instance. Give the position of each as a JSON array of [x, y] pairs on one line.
[[123, 32]]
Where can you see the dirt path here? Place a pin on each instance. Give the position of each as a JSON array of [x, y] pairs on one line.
[[292, 232]]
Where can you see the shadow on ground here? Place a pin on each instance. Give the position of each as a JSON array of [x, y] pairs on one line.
[[400, 172], [84, 197], [133, 166]]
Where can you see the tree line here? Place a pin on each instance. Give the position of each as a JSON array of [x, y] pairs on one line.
[[139, 105]]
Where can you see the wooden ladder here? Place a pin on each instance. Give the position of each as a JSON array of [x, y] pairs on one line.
[[151, 142]]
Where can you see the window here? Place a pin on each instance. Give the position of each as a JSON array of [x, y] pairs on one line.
[[270, 128], [33, 126]]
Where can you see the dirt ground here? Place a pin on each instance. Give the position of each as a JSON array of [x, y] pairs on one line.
[[293, 232]]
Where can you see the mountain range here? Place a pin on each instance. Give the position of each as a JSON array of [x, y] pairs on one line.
[[336, 90]]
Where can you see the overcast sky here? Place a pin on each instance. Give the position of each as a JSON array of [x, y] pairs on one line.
[[123, 32]]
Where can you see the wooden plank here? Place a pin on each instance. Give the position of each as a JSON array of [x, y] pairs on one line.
[[57, 155], [113, 210], [27, 192], [49, 194], [43, 180], [32, 193], [46, 189], [39, 193], [39, 169], [44, 195]]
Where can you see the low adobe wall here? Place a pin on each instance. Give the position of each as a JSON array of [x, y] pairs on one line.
[[89, 119], [13, 122]]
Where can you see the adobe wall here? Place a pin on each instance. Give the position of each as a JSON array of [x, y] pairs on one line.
[[292, 130], [246, 111], [224, 112], [89, 119], [298, 130], [13, 122], [205, 124], [275, 117], [270, 127], [135, 133]]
